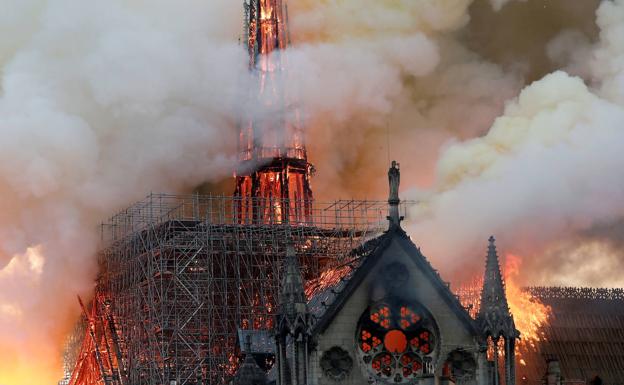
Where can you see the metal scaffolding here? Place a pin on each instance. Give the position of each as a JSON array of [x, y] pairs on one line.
[[181, 274]]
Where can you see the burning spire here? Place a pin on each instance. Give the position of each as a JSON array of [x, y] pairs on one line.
[[100, 357], [273, 180]]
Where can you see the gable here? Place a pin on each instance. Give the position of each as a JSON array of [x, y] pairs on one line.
[[434, 287], [328, 300], [425, 285], [394, 275]]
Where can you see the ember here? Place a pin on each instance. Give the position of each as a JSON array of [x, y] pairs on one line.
[[328, 278]]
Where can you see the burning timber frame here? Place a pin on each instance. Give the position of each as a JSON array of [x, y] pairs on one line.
[[182, 273]]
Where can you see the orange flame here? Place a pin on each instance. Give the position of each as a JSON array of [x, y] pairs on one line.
[[529, 313], [29, 354], [328, 278]]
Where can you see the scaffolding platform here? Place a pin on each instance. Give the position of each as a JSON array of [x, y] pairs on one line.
[[182, 274]]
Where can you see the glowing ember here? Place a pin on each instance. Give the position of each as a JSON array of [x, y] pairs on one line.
[[469, 295], [328, 278]]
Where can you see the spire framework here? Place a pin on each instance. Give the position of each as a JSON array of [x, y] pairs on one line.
[[274, 172]]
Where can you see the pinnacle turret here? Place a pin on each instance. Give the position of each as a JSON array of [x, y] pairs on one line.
[[494, 318], [293, 332], [292, 298]]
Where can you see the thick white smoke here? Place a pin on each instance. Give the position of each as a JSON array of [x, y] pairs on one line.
[[545, 177], [101, 102], [390, 74]]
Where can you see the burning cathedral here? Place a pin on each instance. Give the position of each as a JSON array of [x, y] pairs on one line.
[[269, 286], [390, 318]]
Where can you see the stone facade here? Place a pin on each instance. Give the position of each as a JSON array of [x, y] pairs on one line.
[[391, 319], [452, 331]]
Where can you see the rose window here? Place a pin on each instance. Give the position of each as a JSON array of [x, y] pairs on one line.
[[396, 341]]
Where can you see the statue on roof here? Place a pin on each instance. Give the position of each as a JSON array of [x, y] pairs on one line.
[[394, 179]]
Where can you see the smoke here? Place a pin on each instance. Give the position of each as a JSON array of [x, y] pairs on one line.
[[101, 102], [105, 101], [394, 77], [545, 176], [430, 92]]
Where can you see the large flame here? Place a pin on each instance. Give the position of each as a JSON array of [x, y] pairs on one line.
[[30, 370], [530, 314]]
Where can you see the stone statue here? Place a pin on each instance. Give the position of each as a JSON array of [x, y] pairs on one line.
[[394, 179]]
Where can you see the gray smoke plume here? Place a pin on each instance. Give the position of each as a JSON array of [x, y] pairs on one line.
[[545, 176], [101, 102]]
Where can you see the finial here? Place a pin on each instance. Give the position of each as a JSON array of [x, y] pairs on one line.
[[292, 282], [394, 180], [492, 247]]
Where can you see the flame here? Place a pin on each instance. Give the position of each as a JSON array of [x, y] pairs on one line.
[[469, 294], [530, 314], [328, 278]]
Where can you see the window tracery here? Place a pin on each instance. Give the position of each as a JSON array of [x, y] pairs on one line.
[[396, 341]]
